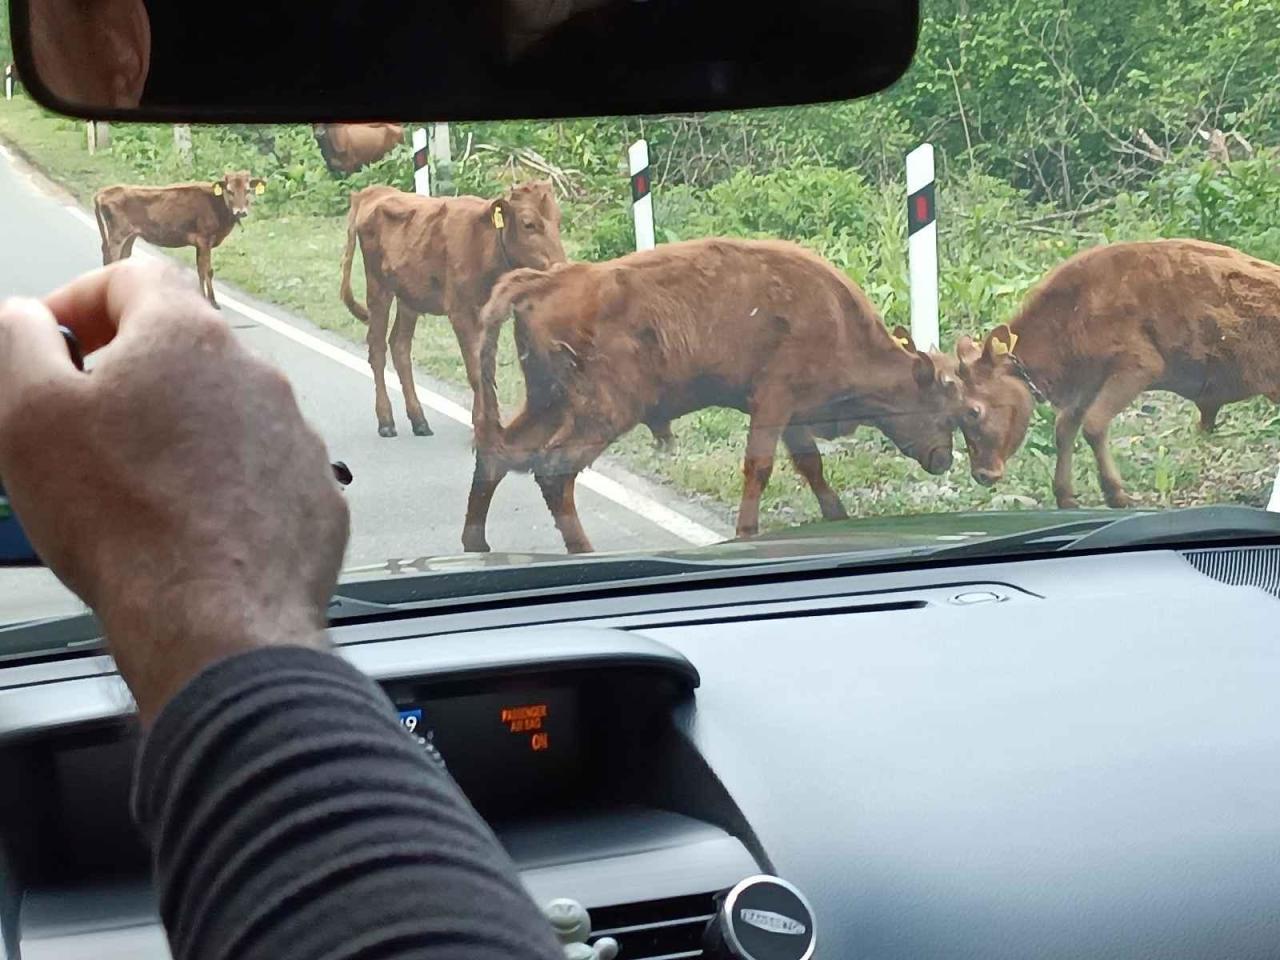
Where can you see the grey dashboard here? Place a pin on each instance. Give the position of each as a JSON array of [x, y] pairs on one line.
[[1053, 758]]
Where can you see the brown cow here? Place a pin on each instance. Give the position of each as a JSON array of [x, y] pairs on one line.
[[1197, 319], [348, 147], [438, 256], [765, 327], [199, 215]]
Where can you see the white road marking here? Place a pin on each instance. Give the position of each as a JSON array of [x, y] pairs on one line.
[[672, 521]]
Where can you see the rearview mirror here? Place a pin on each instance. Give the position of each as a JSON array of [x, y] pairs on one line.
[[283, 61]]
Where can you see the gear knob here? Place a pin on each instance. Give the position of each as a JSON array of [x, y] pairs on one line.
[[762, 918]]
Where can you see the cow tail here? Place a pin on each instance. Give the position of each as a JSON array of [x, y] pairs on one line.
[[101, 214], [486, 416], [358, 310]]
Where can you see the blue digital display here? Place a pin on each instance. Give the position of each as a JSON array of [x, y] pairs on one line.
[[411, 720]]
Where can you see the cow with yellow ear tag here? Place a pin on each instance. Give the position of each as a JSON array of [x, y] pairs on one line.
[[1185, 316], [199, 215]]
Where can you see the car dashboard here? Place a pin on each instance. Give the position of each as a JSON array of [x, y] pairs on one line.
[[1057, 757]]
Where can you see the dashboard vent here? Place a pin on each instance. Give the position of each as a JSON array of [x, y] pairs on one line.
[[1240, 566], [656, 929]]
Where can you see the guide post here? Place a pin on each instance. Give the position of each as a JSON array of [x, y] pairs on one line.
[[641, 194], [922, 247]]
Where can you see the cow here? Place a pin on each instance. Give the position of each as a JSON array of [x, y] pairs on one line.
[[348, 147], [765, 327], [1194, 318], [199, 215], [440, 256]]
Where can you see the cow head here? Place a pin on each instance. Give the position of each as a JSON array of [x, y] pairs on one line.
[[237, 191], [923, 426], [997, 403], [529, 220]]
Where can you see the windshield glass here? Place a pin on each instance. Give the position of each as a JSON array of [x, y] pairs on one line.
[[1075, 205]]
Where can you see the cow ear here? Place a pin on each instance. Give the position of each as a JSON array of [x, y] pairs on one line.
[[500, 214], [925, 372], [1000, 343], [967, 352], [902, 337]]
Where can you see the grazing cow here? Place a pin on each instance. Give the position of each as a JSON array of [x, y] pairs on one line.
[[765, 327], [438, 256], [348, 147], [1194, 318], [199, 215]]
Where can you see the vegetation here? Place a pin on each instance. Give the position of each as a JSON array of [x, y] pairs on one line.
[[1057, 126]]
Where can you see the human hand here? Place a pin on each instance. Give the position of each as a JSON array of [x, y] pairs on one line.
[[176, 488]]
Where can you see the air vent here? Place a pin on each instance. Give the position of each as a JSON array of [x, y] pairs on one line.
[[1240, 566], [656, 929]]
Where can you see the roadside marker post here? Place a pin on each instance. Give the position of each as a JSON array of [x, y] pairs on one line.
[[8, 81], [922, 247], [641, 194], [421, 163], [1273, 505]]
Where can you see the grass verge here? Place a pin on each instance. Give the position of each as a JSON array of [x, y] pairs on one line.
[[293, 261]]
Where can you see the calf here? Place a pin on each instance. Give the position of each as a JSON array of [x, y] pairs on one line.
[[348, 147], [438, 256], [199, 215], [1197, 319], [761, 326]]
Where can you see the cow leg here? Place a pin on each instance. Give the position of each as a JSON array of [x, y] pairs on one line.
[[402, 359], [490, 469], [1209, 416], [466, 327], [1115, 395], [376, 339], [808, 463], [1066, 428], [204, 269], [126, 248], [557, 491], [769, 417]]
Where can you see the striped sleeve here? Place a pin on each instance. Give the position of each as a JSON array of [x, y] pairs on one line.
[[290, 816]]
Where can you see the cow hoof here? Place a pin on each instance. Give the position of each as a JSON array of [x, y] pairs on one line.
[[423, 429], [475, 546], [1068, 503], [386, 430], [1119, 501]]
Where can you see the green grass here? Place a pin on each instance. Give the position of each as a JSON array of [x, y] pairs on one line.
[[294, 261]]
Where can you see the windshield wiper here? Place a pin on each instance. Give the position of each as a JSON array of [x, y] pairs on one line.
[[1187, 526]]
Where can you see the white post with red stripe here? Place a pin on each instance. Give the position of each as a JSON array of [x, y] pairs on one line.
[[8, 81], [641, 194], [421, 163], [922, 247]]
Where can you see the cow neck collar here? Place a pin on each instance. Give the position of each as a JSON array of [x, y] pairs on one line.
[[1024, 375]]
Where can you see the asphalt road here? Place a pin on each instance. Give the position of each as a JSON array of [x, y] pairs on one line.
[[409, 494]]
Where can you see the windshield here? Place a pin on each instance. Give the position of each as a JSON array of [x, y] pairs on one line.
[[1037, 273]]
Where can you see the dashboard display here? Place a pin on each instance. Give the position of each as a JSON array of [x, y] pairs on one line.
[[509, 751]]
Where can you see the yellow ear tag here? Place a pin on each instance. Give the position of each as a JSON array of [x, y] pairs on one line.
[[260, 189], [1013, 340], [901, 341], [498, 220], [999, 348], [217, 189]]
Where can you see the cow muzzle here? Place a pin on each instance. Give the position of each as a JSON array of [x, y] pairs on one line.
[[988, 476], [938, 461]]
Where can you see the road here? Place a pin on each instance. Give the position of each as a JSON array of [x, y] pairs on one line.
[[409, 493]]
